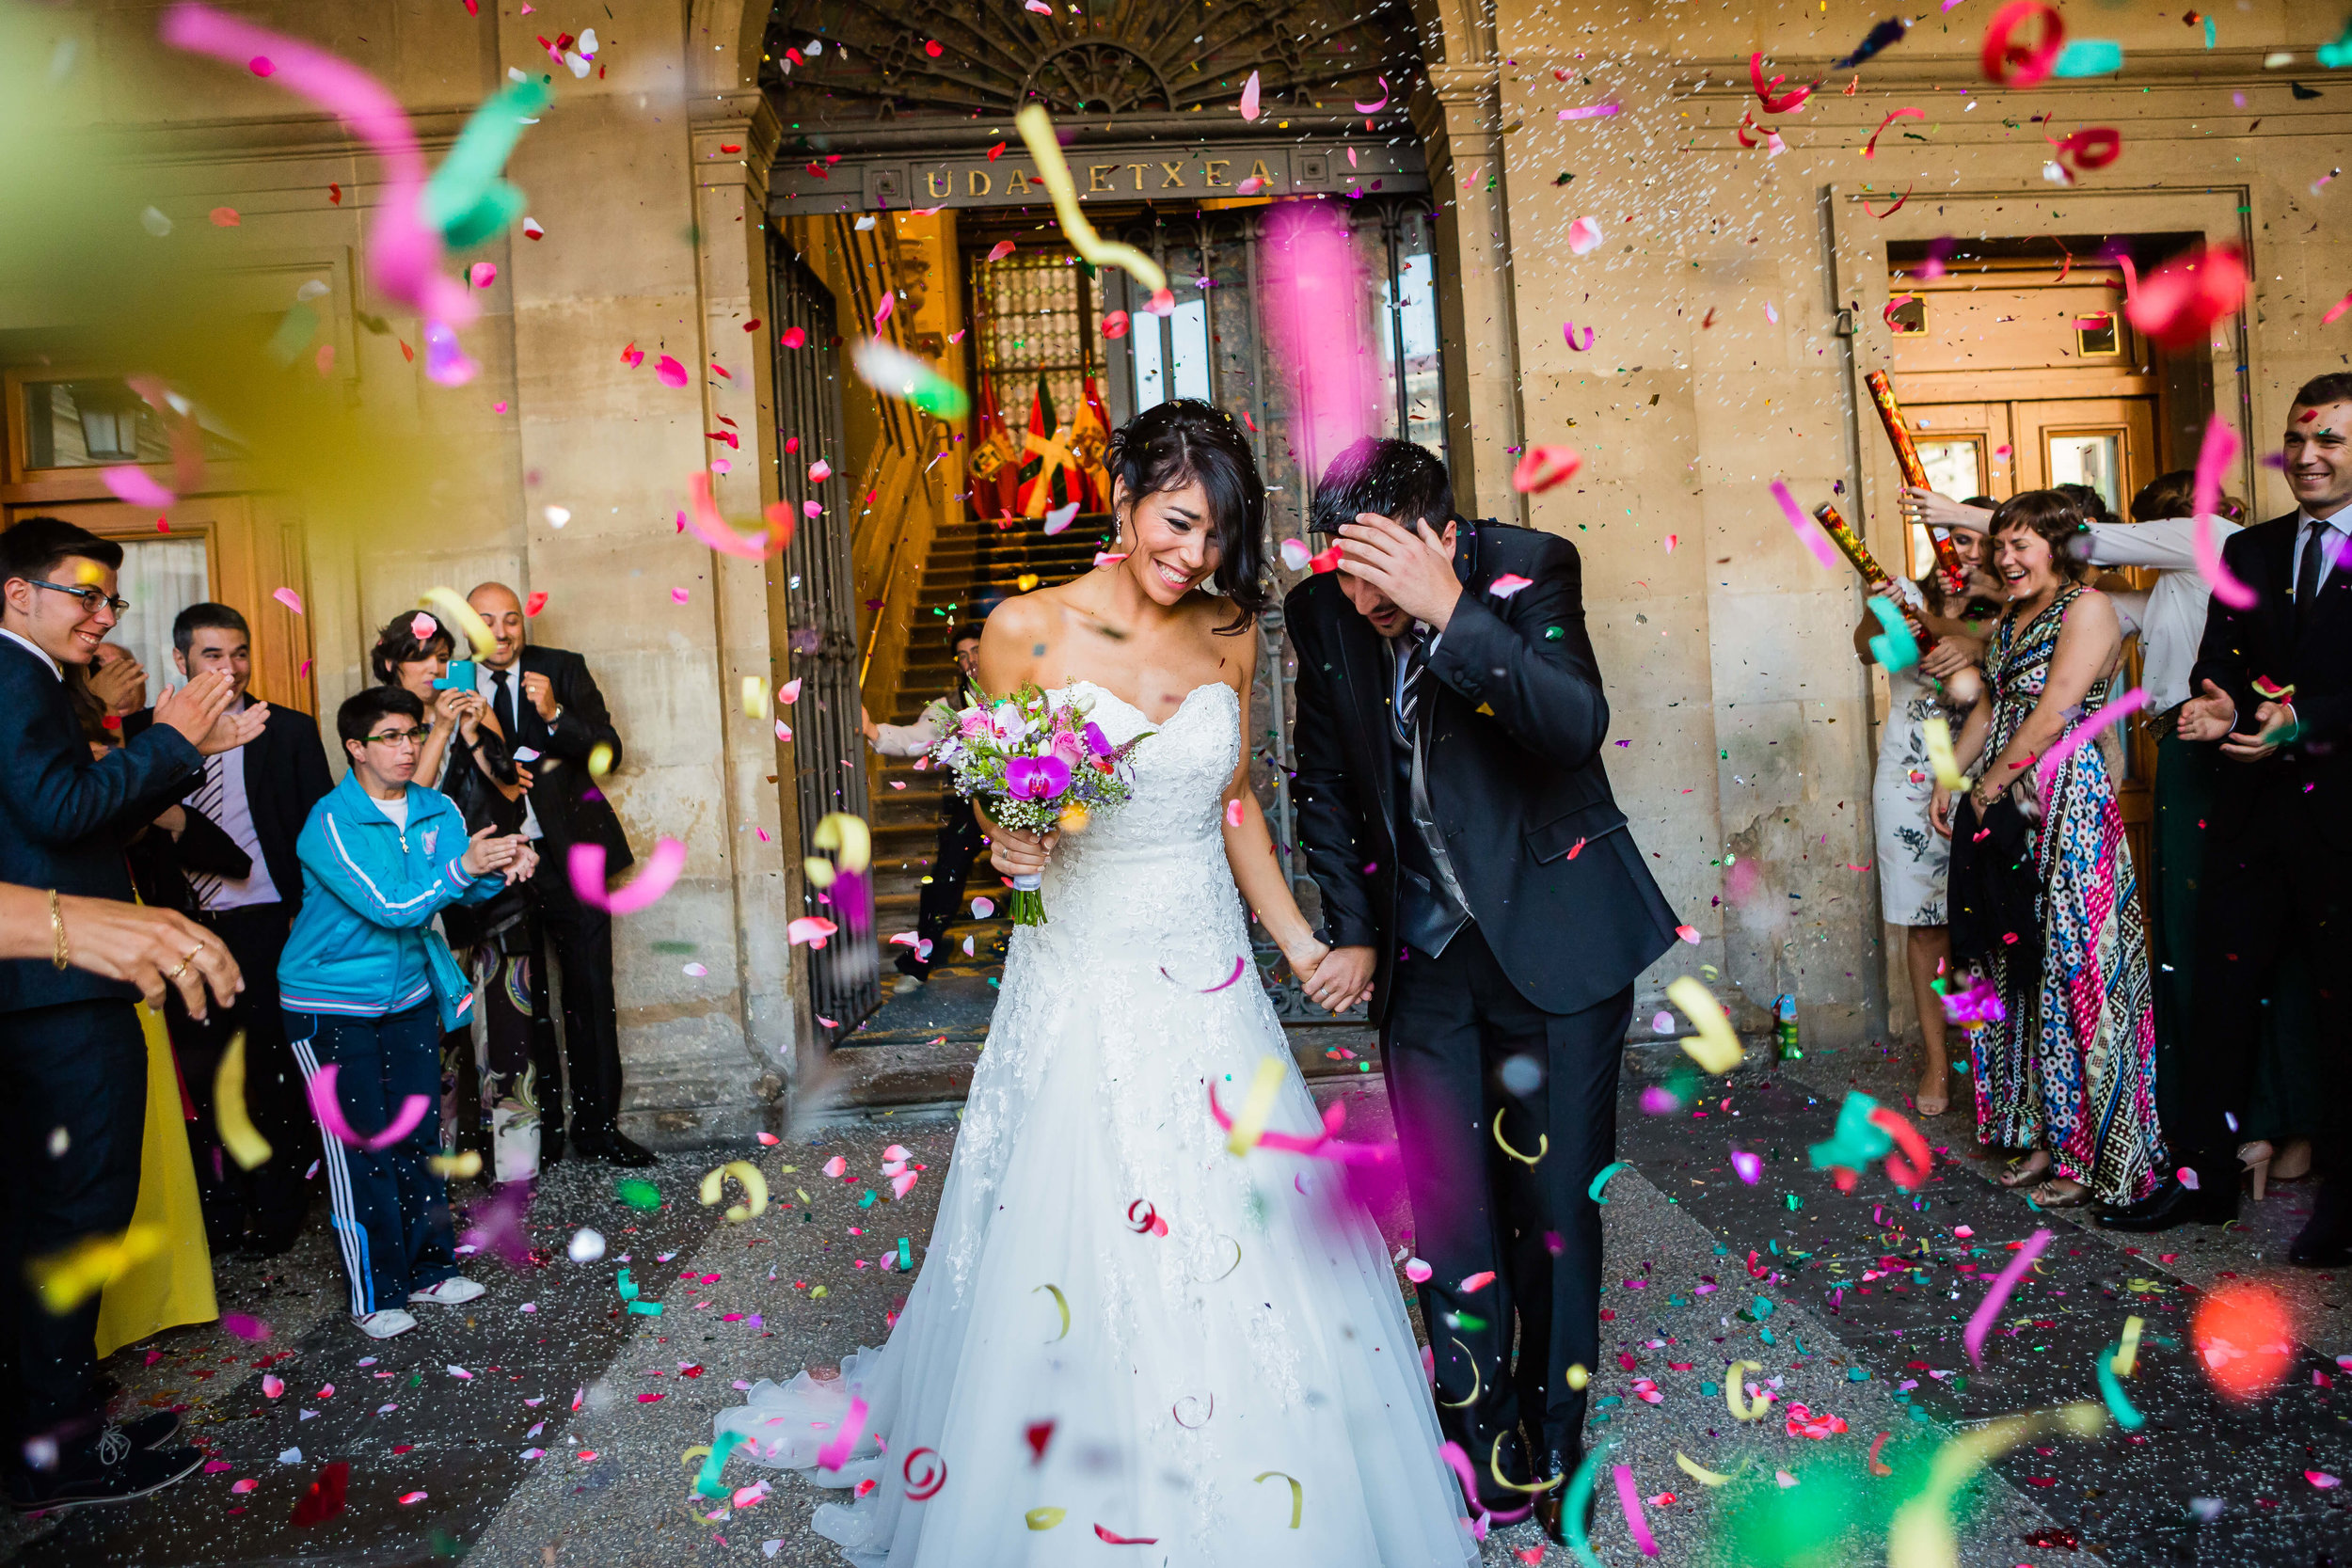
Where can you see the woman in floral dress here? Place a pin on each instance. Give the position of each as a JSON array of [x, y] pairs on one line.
[[2045, 897]]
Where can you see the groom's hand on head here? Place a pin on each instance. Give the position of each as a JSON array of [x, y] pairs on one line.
[[1414, 566]]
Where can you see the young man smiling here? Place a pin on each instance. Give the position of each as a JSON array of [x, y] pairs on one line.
[[370, 988], [73, 1078]]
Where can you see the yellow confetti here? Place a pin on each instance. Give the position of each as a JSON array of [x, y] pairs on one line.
[[599, 760], [66, 1279], [699, 1451], [1298, 1494], [820, 870], [755, 697], [238, 1135], [1698, 1472], [456, 612], [1921, 1534], [2127, 1355], [1543, 1143], [1938, 734], [1715, 1048], [1576, 1376], [1736, 1396], [1250, 1125], [1025, 582], [1053, 171], [464, 1165], [1063, 1302], [1494, 1463], [849, 838], [747, 1176], [1476, 1382], [1045, 1519]]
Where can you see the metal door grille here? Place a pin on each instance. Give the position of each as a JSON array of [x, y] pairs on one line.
[[820, 617]]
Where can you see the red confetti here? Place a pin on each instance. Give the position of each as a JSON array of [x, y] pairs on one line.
[[2014, 65], [1786, 102]]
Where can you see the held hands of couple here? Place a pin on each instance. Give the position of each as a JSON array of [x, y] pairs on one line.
[[1340, 979], [1414, 566]]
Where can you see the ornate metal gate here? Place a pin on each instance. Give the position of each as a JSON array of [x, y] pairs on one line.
[[820, 613]]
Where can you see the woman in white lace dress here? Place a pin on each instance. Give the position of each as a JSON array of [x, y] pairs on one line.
[[1237, 1383]]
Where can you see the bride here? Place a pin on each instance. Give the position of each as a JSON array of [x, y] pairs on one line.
[[1238, 1383]]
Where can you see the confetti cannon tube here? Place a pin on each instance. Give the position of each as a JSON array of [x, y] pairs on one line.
[[1849, 543], [1915, 471]]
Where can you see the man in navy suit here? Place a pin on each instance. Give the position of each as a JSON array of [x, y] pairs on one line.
[[259, 795], [2275, 684], [557, 725], [73, 1078], [1482, 890]]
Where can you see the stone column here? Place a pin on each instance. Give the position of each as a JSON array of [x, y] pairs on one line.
[[1457, 117], [665, 625]]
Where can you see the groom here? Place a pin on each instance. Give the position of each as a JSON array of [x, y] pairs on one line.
[[1481, 889]]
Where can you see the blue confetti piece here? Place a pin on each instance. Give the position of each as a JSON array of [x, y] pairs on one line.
[[2098, 57]]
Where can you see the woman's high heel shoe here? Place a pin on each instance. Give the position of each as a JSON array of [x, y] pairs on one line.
[[2254, 1161]]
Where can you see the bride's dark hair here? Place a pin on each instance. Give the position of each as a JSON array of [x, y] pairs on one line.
[[1183, 439]]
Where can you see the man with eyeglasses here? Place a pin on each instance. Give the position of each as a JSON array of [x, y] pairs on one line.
[[369, 989], [73, 1077]]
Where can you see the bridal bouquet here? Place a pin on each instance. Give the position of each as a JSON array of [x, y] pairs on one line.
[[1039, 765]]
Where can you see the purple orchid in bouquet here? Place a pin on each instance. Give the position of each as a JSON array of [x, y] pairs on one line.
[[1039, 764]]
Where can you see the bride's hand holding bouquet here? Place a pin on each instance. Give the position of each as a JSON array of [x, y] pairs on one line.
[[1034, 767]]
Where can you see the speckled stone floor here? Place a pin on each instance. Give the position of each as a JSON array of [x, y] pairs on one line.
[[544, 1425]]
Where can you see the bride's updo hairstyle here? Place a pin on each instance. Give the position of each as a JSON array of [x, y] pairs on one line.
[[1168, 446]]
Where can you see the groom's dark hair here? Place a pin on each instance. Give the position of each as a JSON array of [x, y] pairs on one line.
[[1392, 479]]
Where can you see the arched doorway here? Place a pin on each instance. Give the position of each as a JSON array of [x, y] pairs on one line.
[[902, 188]]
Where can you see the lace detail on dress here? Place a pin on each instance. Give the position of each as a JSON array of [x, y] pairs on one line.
[[1264, 1332]]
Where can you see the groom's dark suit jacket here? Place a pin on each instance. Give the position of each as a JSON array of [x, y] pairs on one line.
[[1513, 720]]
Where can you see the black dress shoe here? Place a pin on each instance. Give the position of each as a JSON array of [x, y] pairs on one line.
[[613, 1148], [109, 1468], [2214, 1202], [153, 1431], [1549, 1506], [2327, 1237]]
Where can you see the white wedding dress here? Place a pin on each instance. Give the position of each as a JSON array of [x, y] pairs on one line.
[[1261, 1340]]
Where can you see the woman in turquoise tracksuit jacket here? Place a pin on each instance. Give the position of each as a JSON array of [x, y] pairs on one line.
[[369, 988]]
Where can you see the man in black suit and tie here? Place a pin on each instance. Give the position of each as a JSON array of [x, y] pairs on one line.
[[555, 719], [2278, 866], [73, 1073], [1480, 887], [258, 796]]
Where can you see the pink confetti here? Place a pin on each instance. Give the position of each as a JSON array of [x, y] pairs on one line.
[[1249, 97], [2322, 1480], [2213, 457], [531, 225], [329, 1112], [1809, 533], [2074, 740], [819, 471], [659, 874], [272, 1385], [702, 519], [836, 1452], [1294, 555], [288, 598], [244, 1327], [1630, 1498], [1750, 1167], [408, 1497], [882, 311], [1508, 584], [671, 371], [404, 254], [1980, 1321], [1375, 108], [1591, 111], [1250, 186], [138, 487], [1232, 814], [813, 929], [632, 356], [1567, 330], [1583, 235], [1689, 934], [1417, 1272], [789, 693], [483, 274], [1478, 1281], [242, 1487], [678, 595]]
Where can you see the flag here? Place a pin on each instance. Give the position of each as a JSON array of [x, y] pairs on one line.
[[993, 458], [1090, 442], [1049, 472]]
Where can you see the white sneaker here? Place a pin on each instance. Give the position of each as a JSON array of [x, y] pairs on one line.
[[449, 1293], [905, 985], [383, 1324]]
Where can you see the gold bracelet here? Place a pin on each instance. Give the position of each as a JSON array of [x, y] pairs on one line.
[[60, 956]]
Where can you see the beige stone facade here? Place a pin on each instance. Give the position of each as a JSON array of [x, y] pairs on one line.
[[1735, 301]]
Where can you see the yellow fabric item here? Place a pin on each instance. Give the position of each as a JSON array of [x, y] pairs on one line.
[[175, 1286]]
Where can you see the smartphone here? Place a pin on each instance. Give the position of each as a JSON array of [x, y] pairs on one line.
[[460, 677]]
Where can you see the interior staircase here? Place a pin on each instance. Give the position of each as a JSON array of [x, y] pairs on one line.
[[972, 567]]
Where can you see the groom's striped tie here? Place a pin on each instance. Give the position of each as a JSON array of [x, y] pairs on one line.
[[207, 799], [1411, 659]]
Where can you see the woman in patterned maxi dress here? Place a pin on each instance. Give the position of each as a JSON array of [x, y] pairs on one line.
[[2069, 1074]]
